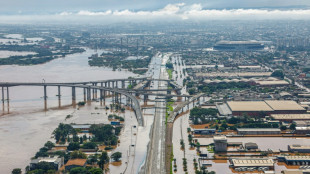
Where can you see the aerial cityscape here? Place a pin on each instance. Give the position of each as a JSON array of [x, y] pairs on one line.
[[158, 87]]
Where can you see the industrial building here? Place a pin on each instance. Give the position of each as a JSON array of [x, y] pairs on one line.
[[220, 143], [251, 146], [258, 131], [204, 131], [285, 107], [239, 46], [253, 163], [299, 148], [302, 130], [251, 108], [295, 160], [56, 161], [290, 117], [263, 108]]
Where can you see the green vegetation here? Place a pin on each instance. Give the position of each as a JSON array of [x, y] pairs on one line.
[[77, 155], [116, 156], [17, 171], [169, 105], [63, 131], [169, 71], [198, 115], [278, 73], [86, 170], [210, 88], [43, 54], [117, 60], [104, 133]]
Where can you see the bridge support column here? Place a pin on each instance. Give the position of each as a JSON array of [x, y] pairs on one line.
[[101, 96], [73, 97], [88, 94], [45, 98], [104, 94], [145, 99], [2, 98], [59, 97], [8, 98], [123, 84], [116, 84], [84, 94]]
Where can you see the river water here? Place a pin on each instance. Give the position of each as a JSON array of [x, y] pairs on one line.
[[24, 127]]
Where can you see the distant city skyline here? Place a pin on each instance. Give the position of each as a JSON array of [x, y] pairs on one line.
[[120, 10]]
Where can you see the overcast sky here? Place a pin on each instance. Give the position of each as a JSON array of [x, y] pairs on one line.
[[120, 10]]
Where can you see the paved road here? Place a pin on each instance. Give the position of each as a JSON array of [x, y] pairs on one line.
[[156, 157]]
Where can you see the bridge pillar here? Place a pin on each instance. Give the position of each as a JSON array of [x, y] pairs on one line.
[[3, 98], [45, 98], [145, 99], [88, 94], [116, 84], [120, 99], [73, 96], [101, 96], [123, 84], [84, 94], [59, 97], [112, 84], [104, 94]]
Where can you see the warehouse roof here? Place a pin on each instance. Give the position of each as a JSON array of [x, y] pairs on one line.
[[291, 116], [275, 82], [252, 162], [297, 158], [297, 146], [248, 106], [284, 105]]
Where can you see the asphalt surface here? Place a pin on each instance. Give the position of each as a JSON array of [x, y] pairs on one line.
[[156, 156]]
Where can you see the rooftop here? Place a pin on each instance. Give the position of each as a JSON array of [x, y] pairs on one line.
[[252, 162], [258, 129], [297, 157], [291, 116], [297, 146], [284, 105], [248, 106], [78, 162]]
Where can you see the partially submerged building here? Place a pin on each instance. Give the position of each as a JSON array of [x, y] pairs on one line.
[[258, 131]]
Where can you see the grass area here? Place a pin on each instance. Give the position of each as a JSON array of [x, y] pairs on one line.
[[169, 109], [210, 149], [169, 71]]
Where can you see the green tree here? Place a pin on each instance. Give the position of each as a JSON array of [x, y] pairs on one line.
[[89, 145], [49, 145], [78, 170], [17, 171], [293, 126], [77, 154], [95, 171], [116, 156], [73, 146], [103, 159]]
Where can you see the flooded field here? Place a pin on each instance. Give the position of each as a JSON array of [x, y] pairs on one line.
[[6, 54]]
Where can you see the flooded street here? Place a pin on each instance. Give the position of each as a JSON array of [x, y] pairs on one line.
[[26, 128]]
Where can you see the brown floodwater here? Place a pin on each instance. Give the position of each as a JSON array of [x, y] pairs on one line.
[[26, 128]]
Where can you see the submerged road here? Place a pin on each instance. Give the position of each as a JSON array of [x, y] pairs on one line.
[[155, 162]]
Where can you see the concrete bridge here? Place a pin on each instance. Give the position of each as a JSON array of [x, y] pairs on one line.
[[116, 94]]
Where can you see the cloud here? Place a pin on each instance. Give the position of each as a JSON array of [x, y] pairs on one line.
[[179, 11]]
